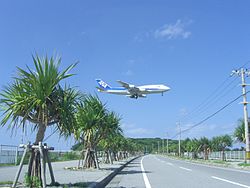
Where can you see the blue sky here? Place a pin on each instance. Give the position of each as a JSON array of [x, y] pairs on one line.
[[190, 46]]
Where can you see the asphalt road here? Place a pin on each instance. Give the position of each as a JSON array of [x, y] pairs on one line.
[[153, 171]]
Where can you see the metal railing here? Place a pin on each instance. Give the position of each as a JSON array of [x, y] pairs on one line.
[[229, 155], [9, 154]]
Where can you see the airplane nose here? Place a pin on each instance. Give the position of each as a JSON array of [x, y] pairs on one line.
[[166, 88]]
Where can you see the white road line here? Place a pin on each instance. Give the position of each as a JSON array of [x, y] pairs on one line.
[[235, 183], [185, 168], [145, 178]]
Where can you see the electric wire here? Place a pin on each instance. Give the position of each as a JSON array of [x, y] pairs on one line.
[[214, 97], [208, 103], [50, 135], [205, 101], [215, 100], [210, 116]]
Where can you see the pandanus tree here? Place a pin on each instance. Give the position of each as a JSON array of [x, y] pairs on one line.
[[35, 97], [239, 132], [220, 143], [110, 138], [89, 128], [193, 146], [205, 146]]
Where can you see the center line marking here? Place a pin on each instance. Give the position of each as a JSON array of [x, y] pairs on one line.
[[145, 178], [185, 168], [235, 183]]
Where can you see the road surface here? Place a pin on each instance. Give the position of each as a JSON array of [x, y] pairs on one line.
[[154, 171]]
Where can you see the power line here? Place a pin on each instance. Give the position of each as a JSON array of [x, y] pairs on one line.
[[210, 116], [207, 103], [50, 135], [215, 101], [217, 93]]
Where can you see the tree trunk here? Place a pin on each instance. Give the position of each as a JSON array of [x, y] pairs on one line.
[[106, 157], [96, 159], [110, 157], [89, 161], [223, 155], [81, 159], [205, 153], [34, 166], [119, 155]]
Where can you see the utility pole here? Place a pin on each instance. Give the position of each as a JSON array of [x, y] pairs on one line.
[[243, 72], [179, 127]]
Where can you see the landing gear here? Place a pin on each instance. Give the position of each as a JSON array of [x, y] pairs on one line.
[[135, 96]]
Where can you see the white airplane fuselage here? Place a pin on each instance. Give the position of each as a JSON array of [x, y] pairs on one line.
[[131, 90]]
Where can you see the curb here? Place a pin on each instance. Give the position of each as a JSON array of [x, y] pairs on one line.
[[103, 181]]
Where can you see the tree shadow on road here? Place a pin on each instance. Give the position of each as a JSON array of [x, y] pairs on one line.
[[111, 168], [72, 185]]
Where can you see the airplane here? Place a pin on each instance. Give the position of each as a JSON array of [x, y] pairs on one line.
[[130, 90]]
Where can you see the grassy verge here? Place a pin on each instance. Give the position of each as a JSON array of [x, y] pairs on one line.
[[54, 157], [2, 165], [244, 165], [6, 182]]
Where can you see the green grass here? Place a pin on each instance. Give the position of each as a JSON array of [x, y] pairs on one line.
[[243, 164], [218, 161], [6, 182], [1, 165], [54, 157]]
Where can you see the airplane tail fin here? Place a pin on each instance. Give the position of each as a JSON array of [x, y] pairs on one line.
[[103, 86]]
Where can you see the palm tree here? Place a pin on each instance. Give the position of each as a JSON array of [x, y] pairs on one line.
[[90, 117], [35, 96], [239, 132], [205, 146], [111, 133], [219, 143], [192, 146]]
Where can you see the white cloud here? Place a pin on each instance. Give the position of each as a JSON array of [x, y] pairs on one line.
[[138, 131], [173, 31], [131, 130]]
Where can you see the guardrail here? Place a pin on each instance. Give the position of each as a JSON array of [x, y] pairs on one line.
[[9, 154], [229, 155], [217, 155]]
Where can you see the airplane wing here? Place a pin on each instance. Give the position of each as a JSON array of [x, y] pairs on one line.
[[124, 84], [131, 88]]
